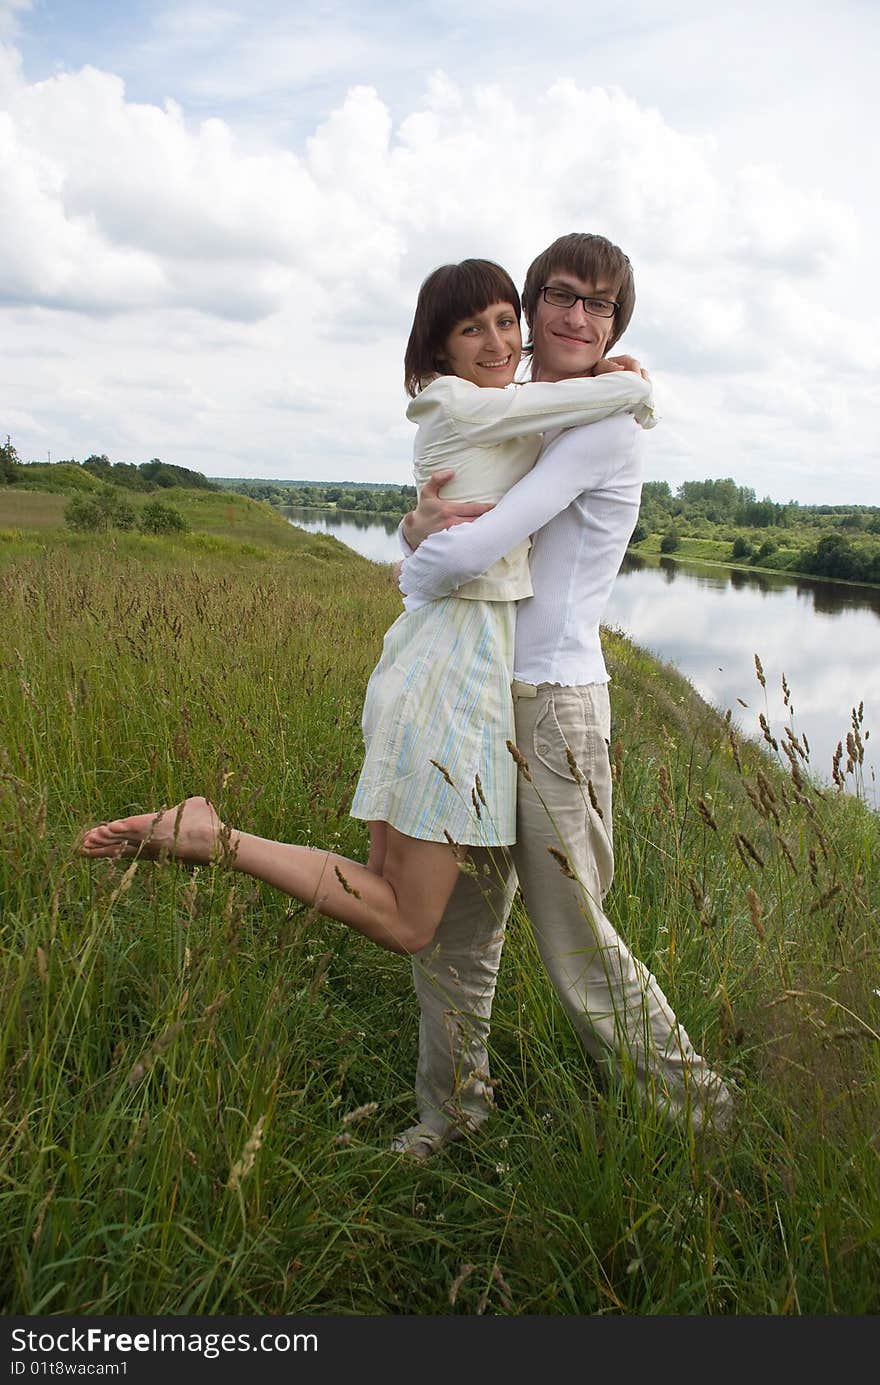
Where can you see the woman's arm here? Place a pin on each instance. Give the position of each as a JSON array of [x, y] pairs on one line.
[[485, 417], [578, 460]]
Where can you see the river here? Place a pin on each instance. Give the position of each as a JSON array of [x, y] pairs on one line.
[[710, 622]]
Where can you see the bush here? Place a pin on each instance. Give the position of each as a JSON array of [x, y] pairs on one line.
[[767, 547], [157, 518], [105, 509], [639, 533], [670, 541], [122, 514], [834, 556], [84, 513], [741, 548]]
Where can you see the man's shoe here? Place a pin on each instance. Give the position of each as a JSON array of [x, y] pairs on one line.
[[419, 1142]]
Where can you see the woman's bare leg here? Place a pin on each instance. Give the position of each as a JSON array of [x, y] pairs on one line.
[[399, 909], [378, 846]]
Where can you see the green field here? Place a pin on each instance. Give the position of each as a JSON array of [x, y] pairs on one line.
[[200, 1079]]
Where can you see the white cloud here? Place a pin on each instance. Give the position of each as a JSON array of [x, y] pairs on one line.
[[10, 11], [270, 287]]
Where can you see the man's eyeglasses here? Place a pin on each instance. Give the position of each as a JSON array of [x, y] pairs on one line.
[[564, 298]]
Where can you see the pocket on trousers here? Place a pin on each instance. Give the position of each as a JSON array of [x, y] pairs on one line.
[[567, 751]]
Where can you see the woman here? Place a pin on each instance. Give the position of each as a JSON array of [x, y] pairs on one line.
[[438, 712]]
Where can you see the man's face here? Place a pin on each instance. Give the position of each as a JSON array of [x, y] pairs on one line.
[[569, 341]]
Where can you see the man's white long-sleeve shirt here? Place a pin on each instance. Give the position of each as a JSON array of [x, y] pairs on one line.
[[580, 501]]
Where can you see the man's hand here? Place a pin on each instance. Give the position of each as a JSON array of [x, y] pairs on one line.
[[611, 363], [434, 514]]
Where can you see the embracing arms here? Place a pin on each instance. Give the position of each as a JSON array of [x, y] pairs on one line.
[[577, 460], [434, 512]]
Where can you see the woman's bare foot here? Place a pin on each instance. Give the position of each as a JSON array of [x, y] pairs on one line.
[[190, 832]]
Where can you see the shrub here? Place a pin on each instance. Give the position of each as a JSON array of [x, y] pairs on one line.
[[104, 509], [741, 548], [767, 547], [670, 541], [84, 512], [157, 518], [639, 533]]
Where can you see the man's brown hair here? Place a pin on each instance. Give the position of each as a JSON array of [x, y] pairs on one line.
[[593, 259]]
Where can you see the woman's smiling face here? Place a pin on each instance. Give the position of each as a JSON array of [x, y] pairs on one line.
[[485, 348]]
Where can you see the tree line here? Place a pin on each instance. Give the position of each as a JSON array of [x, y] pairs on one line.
[[838, 541], [134, 476], [376, 499]]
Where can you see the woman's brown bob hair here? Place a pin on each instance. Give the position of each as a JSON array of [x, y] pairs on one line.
[[449, 295]]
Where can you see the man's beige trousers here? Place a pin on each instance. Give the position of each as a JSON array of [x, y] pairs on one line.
[[615, 1004]]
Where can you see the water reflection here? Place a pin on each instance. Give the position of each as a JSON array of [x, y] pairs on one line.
[[373, 536], [710, 622], [826, 597]]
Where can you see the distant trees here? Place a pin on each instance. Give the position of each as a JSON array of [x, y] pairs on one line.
[[716, 501], [145, 476], [384, 500], [720, 501], [760, 514], [8, 464], [123, 474], [165, 475]]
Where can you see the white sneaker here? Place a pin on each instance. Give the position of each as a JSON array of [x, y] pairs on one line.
[[421, 1141], [418, 1142]]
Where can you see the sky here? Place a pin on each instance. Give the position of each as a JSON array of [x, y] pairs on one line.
[[215, 220]]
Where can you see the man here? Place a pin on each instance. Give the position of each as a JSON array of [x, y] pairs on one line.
[[577, 300]]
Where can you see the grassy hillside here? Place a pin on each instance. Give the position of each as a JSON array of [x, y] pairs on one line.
[[230, 518], [199, 1079]]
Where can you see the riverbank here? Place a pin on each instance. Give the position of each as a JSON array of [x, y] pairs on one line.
[[694, 551], [201, 1081]]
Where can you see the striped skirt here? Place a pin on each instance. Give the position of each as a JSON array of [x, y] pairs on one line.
[[437, 716]]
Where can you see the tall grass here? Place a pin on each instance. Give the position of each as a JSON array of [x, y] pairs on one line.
[[200, 1078]]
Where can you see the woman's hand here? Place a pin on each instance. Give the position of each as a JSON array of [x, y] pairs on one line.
[[611, 363], [433, 514]]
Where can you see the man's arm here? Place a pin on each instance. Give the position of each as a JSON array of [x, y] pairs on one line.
[[433, 513], [578, 460]]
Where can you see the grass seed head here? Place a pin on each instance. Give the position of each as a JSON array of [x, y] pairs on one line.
[[706, 814], [360, 1113], [756, 912], [349, 889], [243, 1166], [562, 860], [520, 761]]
